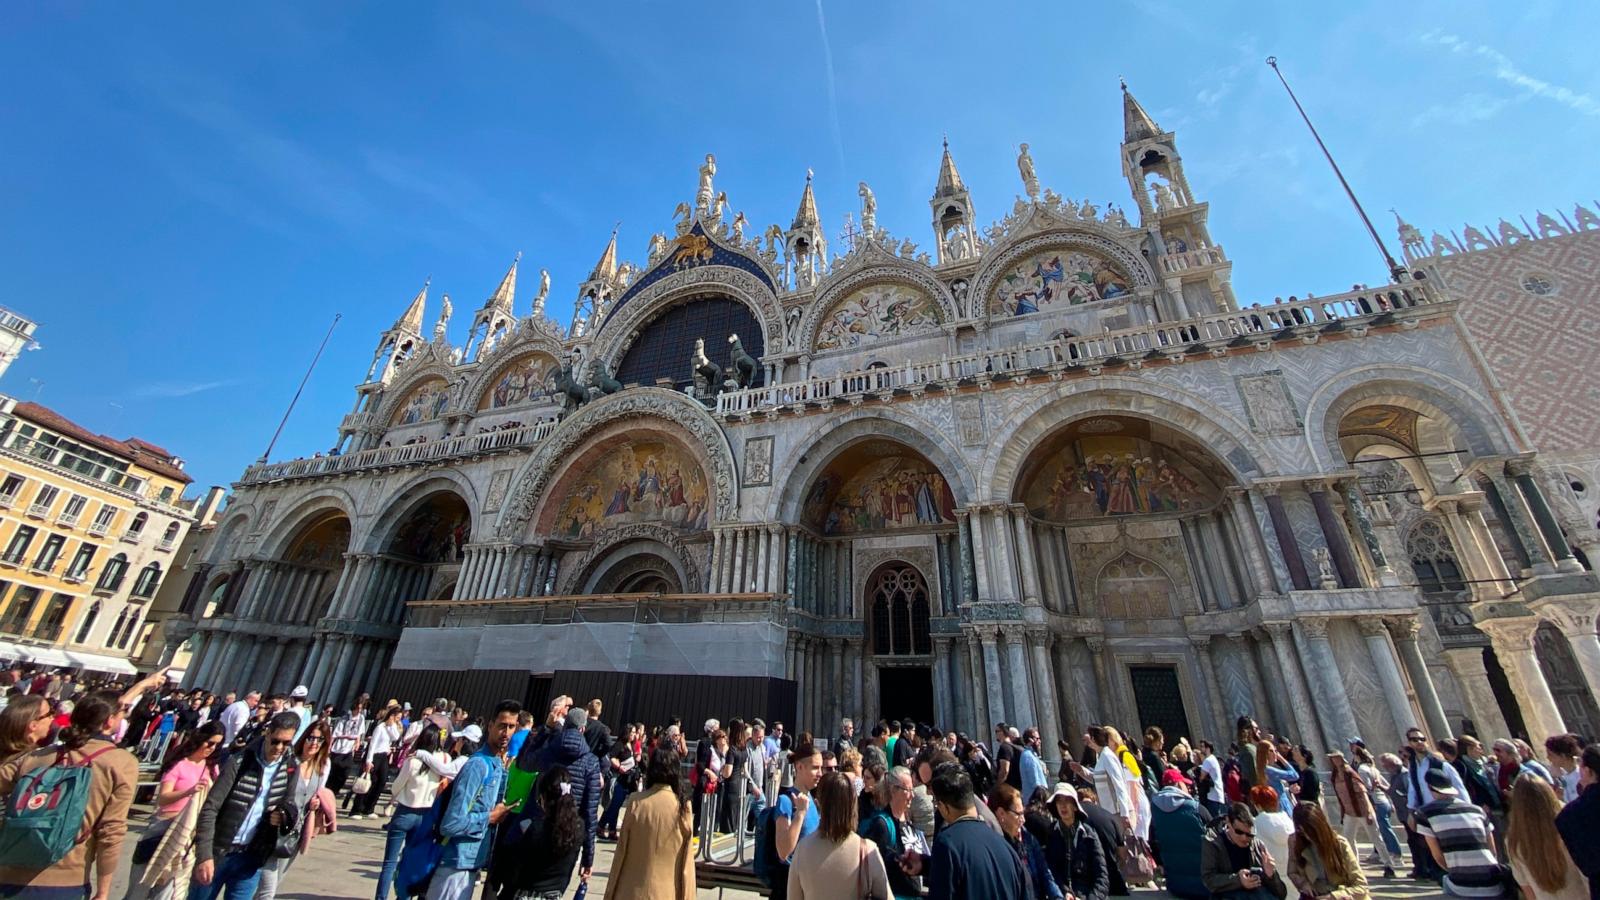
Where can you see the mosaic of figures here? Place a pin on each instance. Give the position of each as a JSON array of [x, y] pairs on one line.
[[877, 312], [647, 481], [437, 533], [424, 404], [897, 492], [522, 381], [1060, 276], [1115, 475], [322, 545]]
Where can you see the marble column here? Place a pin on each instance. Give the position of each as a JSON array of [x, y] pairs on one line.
[[341, 668], [993, 679], [1003, 554], [1220, 720], [1305, 717], [1334, 532], [315, 666], [1350, 489], [1242, 519], [1027, 558], [835, 683], [761, 539], [1405, 631], [1521, 472], [1045, 696], [941, 682], [1287, 543], [196, 659], [1388, 672], [1513, 646], [1023, 710], [1083, 675], [856, 687], [294, 667], [191, 594], [978, 684], [246, 678], [962, 689], [737, 585], [1466, 664], [1338, 719], [1110, 708], [1575, 619], [965, 580], [1516, 527], [269, 674], [983, 574], [802, 694]]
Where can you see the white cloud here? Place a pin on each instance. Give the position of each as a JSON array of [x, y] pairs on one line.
[[833, 97], [1466, 109], [168, 390], [1509, 72]]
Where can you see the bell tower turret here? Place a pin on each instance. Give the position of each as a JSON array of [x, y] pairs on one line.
[[497, 315], [954, 222], [596, 292], [805, 246]]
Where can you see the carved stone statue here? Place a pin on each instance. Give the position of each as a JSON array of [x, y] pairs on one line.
[[1030, 181], [440, 326], [774, 236], [1325, 578], [739, 223], [702, 197], [959, 289], [908, 249], [744, 367], [707, 374], [544, 292], [720, 205], [1088, 210], [1164, 198], [658, 247], [573, 393], [1115, 216], [869, 209]]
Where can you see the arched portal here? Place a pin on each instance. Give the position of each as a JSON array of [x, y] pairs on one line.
[[897, 611], [1566, 681]]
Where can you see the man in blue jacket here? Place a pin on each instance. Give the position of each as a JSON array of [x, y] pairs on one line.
[[570, 750], [473, 809]]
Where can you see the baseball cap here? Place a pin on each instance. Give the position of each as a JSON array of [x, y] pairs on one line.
[[300, 692], [1439, 782], [472, 733], [1172, 776]]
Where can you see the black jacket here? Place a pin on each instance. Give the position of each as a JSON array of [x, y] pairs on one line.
[[876, 829], [1077, 862], [1579, 824], [1109, 834], [231, 797]]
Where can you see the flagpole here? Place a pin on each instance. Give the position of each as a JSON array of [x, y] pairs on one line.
[[1396, 270], [309, 369]]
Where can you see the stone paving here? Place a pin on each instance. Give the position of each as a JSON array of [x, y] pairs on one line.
[[345, 865]]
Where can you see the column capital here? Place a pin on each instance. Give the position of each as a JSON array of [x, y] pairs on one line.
[[1519, 466], [1404, 628], [1096, 642], [1512, 633], [1277, 630], [1572, 616], [1372, 626], [1200, 641], [1038, 633], [1315, 629]]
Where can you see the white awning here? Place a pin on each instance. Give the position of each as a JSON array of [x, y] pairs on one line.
[[11, 652], [96, 662], [46, 656]]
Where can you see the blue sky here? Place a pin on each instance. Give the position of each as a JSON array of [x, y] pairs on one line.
[[189, 192]]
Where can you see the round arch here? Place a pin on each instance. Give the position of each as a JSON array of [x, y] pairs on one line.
[[834, 434], [289, 525], [1092, 237], [505, 355], [1407, 387], [672, 413], [888, 270], [399, 505], [614, 549], [1229, 439], [619, 333], [1133, 587]]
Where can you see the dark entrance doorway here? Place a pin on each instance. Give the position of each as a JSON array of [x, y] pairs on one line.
[[905, 692], [1160, 700]]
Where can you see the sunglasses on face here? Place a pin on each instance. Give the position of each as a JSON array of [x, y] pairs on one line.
[[1417, 739], [1244, 834], [277, 743], [313, 738], [212, 745]]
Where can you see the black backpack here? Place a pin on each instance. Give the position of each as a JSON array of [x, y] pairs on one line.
[[768, 865]]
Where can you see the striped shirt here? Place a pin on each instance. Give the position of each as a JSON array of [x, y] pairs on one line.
[[1463, 835]]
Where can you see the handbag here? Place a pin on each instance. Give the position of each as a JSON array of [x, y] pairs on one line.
[[1135, 862], [361, 785]]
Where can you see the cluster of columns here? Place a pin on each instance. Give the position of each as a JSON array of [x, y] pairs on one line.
[[1347, 570], [756, 559], [498, 569]]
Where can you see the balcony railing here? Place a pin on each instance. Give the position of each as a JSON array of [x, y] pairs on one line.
[[1173, 263], [130, 536], [1263, 324], [48, 632], [166, 543], [75, 577], [357, 421], [38, 510], [67, 520], [7, 501], [403, 455], [13, 559], [99, 528]]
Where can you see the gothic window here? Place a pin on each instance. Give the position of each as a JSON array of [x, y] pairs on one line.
[[898, 598], [116, 629], [1433, 559], [88, 623], [664, 347]]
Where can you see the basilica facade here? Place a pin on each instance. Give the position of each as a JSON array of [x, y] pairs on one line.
[[1048, 472]]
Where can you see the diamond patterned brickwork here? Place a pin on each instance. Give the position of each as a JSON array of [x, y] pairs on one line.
[[1544, 349]]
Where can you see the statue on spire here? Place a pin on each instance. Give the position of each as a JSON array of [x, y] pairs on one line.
[[440, 326], [544, 291], [869, 210], [1030, 181], [703, 197]]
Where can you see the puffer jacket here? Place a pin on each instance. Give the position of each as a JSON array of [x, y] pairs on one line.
[[1178, 828], [571, 752], [230, 799]]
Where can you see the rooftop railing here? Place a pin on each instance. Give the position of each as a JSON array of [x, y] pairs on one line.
[[403, 455]]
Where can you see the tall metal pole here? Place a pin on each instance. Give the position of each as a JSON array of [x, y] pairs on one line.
[[1396, 270], [309, 369]]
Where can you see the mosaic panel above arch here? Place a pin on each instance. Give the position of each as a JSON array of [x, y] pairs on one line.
[[322, 544], [1115, 466], [875, 486], [877, 312], [521, 381], [1055, 277], [637, 482], [424, 404]]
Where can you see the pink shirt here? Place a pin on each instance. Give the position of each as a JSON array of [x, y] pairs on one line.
[[180, 777]]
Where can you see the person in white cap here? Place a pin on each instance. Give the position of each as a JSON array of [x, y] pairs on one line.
[[300, 706]]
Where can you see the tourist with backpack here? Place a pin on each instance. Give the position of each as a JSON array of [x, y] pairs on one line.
[[471, 808], [248, 813], [67, 809], [655, 855], [790, 818], [891, 830]]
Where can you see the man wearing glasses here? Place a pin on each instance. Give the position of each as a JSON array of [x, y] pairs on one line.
[[1234, 865], [250, 806], [1420, 760]]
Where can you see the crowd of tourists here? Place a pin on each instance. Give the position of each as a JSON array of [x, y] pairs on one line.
[[238, 788]]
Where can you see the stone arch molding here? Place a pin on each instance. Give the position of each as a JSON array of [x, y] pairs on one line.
[[613, 538], [890, 270], [997, 262], [399, 502], [399, 392], [229, 537], [527, 340], [288, 524], [1408, 387], [619, 333], [1224, 434], [643, 402], [825, 441]]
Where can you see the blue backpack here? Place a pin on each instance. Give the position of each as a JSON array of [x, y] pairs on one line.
[[45, 812], [768, 864]]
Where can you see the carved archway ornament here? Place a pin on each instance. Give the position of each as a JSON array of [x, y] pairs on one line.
[[873, 266], [620, 331], [530, 337], [1086, 236], [637, 403], [610, 539]]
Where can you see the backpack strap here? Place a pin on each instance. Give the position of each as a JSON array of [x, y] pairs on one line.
[[91, 757]]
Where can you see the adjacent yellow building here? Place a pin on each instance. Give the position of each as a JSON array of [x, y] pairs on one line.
[[89, 526]]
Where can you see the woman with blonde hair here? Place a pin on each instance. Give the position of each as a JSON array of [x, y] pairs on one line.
[[1323, 864], [1135, 780], [1538, 858]]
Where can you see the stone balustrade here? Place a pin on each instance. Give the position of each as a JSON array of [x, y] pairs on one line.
[[403, 455], [1259, 324], [598, 608], [1173, 263]]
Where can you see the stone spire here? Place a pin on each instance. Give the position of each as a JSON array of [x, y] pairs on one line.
[[806, 216], [410, 322], [949, 179], [1136, 123], [505, 294], [606, 268]]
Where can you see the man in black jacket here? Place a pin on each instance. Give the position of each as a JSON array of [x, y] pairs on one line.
[[249, 808], [1579, 822]]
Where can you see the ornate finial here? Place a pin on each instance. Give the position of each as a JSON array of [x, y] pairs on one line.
[[1123, 82], [518, 257], [809, 173]]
